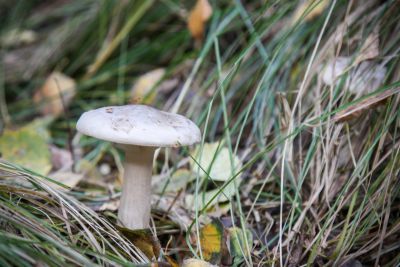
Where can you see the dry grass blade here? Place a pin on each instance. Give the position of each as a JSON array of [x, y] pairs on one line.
[[366, 104]]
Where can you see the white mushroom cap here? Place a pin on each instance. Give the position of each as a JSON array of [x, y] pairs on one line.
[[139, 125]]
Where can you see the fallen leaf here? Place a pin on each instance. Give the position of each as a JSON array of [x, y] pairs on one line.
[[176, 182], [212, 195], [196, 263], [237, 243], [211, 236], [370, 48], [143, 90], [144, 240], [216, 161], [61, 159], [55, 94], [309, 9], [361, 79], [27, 146], [357, 109], [198, 16], [66, 178]]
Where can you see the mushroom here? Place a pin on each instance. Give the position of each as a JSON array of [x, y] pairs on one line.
[[138, 130]]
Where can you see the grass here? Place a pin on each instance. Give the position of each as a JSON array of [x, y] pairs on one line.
[[48, 226], [313, 191]]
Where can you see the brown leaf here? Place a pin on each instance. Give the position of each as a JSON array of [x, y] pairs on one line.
[[56, 94], [357, 109], [198, 17]]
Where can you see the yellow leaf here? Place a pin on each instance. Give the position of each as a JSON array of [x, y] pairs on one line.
[[55, 94], [309, 9], [27, 146], [142, 91], [144, 240], [196, 263], [199, 15], [211, 241]]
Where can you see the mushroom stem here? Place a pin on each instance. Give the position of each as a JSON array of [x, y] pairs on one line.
[[135, 205]]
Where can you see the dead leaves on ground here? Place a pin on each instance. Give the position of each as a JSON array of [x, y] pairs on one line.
[[198, 17], [225, 245], [211, 236], [56, 94]]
